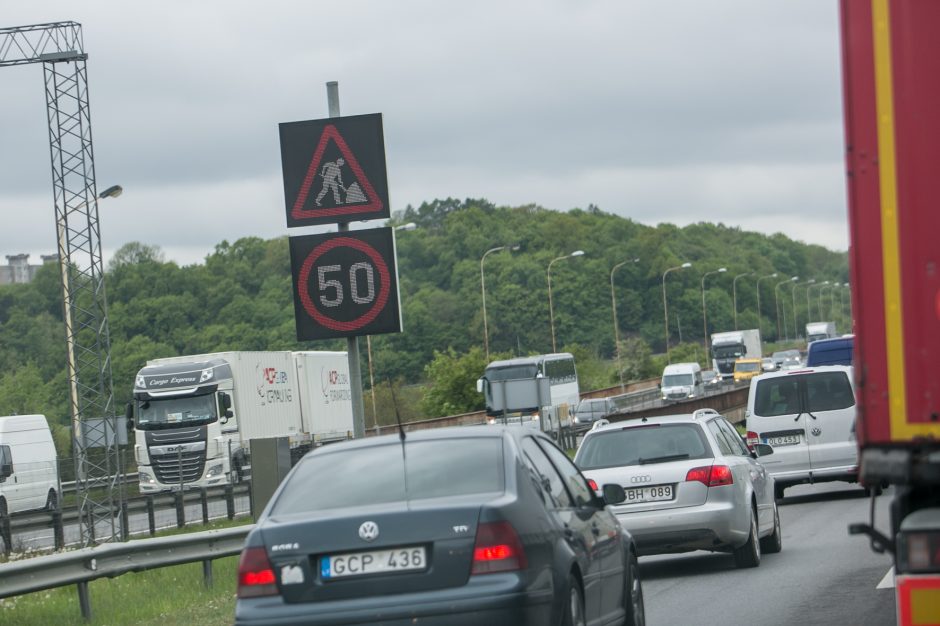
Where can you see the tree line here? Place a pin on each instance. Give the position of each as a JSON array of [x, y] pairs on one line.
[[240, 299]]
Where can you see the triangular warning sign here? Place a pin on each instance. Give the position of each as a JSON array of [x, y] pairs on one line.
[[334, 198]]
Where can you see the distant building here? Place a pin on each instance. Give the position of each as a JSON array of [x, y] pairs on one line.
[[19, 271]]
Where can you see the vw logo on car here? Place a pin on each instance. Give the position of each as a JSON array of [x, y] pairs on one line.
[[369, 531]]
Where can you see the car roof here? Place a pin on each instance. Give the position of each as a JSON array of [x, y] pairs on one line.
[[697, 417], [430, 434], [806, 370]]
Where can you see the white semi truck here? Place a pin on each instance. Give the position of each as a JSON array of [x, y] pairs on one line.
[[728, 347], [194, 416]]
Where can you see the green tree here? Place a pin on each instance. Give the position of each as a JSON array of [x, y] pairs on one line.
[[452, 382]]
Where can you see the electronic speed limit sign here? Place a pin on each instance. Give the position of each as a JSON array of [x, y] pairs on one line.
[[345, 284]]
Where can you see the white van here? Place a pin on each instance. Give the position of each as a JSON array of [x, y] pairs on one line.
[[682, 381], [29, 473], [808, 416]]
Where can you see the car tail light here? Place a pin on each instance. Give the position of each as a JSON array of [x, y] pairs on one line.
[[497, 549], [711, 476], [592, 484], [752, 438], [255, 574]]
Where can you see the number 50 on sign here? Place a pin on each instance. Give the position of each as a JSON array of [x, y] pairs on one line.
[[345, 284]]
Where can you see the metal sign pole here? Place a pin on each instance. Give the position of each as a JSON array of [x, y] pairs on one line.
[[352, 343]]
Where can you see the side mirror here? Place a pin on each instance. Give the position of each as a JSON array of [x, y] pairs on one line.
[[225, 406], [613, 494], [762, 449], [129, 411]]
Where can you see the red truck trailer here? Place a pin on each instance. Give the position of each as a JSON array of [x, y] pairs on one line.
[[891, 86]]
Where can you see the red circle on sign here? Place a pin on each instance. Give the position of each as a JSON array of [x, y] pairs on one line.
[[303, 281]]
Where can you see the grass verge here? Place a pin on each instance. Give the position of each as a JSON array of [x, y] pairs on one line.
[[165, 596]]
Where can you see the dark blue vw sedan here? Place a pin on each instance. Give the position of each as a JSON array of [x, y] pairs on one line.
[[469, 526]]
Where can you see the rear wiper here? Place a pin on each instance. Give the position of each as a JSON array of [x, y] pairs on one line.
[[798, 416], [663, 459]]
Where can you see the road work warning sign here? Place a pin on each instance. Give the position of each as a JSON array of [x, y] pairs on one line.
[[334, 170]]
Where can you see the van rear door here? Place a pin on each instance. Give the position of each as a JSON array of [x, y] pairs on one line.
[[830, 409], [777, 418]]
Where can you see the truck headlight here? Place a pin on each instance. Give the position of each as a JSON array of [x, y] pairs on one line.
[[145, 478], [215, 470]]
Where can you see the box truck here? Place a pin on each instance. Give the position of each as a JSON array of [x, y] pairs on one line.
[[892, 135], [728, 347], [820, 330], [194, 415], [29, 471]]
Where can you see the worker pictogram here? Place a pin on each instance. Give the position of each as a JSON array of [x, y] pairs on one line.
[[345, 284], [334, 170]]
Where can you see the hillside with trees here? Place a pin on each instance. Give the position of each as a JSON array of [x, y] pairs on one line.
[[240, 299]]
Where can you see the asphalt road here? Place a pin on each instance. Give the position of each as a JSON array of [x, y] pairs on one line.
[[823, 575]]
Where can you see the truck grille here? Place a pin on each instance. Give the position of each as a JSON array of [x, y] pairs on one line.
[[177, 466]]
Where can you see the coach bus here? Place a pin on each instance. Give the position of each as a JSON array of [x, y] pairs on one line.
[[564, 392]]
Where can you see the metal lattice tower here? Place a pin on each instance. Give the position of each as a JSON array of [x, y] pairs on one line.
[[99, 485]]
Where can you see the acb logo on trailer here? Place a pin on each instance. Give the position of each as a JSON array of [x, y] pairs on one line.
[[334, 170], [345, 284]]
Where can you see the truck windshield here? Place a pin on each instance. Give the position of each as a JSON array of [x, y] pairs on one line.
[[729, 352], [677, 380], [170, 412]]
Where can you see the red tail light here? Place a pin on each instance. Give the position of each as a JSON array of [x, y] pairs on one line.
[[752, 438], [255, 574], [711, 476], [592, 484], [497, 549]]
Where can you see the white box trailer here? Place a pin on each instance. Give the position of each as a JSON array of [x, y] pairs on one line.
[[196, 414], [325, 394]]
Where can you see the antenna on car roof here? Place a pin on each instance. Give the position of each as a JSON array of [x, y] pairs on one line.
[[401, 437]]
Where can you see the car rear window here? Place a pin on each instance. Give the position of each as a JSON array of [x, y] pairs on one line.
[[824, 391], [634, 445], [376, 475]]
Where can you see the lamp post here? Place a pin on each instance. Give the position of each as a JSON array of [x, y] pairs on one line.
[[832, 299], [551, 313], [734, 295], [720, 270], [613, 304], [809, 285], [777, 303], [666, 308], [486, 339], [846, 287], [759, 327], [822, 288], [796, 332], [809, 300]]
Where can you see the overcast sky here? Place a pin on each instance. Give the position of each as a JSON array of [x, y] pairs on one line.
[[656, 110]]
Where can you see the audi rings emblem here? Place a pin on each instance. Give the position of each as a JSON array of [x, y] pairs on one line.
[[645, 478], [369, 531]]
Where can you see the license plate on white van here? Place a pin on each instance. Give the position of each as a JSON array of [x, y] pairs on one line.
[[783, 440]]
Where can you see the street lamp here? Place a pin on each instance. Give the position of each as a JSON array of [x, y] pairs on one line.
[[613, 304], [809, 284], [822, 288], [734, 295], [551, 313], [809, 302], [832, 300], [796, 332], [777, 303], [759, 328], [486, 340], [666, 308], [846, 287], [720, 270]]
